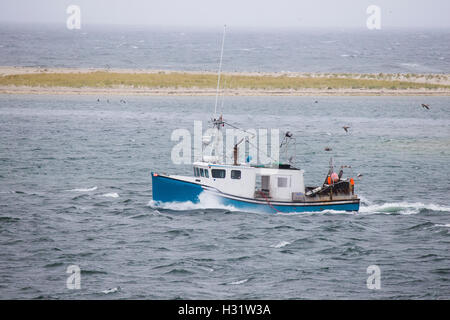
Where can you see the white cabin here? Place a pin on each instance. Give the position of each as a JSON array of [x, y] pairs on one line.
[[251, 181]]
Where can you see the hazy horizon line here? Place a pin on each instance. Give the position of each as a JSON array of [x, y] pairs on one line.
[[219, 27]]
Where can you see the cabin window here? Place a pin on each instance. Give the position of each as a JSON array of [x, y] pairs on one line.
[[197, 172], [235, 174], [207, 173], [202, 173], [218, 173], [265, 183], [282, 182]]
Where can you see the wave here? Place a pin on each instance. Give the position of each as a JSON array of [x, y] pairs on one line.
[[9, 219], [402, 208], [92, 272], [239, 281], [110, 195], [365, 201], [205, 269], [112, 290], [281, 244], [443, 225], [84, 189], [209, 201], [206, 201], [410, 64], [416, 67], [365, 208]]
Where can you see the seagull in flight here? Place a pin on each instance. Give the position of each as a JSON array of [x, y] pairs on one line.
[[425, 106], [346, 128]]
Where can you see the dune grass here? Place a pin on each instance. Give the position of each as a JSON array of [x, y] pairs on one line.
[[101, 79]]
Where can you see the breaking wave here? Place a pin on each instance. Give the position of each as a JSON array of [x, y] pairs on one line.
[[84, 189], [443, 225], [281, 244], [111, 195], [239, 282], [112, 290], [401, 208]]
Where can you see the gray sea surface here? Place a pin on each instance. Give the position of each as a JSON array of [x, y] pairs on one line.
[[75, 189], [272, 50]]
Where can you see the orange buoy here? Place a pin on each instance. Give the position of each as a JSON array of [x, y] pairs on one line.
[[352, 182]]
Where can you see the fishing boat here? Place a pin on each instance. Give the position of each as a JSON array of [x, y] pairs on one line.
[[273, 188], [270, 188]]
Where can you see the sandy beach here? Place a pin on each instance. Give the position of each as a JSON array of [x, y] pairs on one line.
[[385, 84], [210, 92]]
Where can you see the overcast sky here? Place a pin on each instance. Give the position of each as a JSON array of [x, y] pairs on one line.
[[236, 13]]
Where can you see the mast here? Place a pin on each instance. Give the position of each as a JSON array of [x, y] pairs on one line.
[[217, 121], [220, 69]]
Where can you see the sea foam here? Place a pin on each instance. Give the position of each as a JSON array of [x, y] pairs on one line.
[[206, 201], [239, 281], [111, 195], [402, 208], [281, 244], [84, 189]]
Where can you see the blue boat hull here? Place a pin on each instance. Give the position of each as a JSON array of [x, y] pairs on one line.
[[290, 208], [166, 189]]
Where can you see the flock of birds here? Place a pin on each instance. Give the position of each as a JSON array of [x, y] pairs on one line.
[[346, 128], [425, 106], [107, 101]]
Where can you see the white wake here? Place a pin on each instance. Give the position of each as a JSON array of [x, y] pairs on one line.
[[206, 201]]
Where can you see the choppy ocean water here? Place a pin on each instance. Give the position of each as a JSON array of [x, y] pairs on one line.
[[301, 50], [76, 190]]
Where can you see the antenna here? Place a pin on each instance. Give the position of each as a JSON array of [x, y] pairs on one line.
[[220, 69], [223, 94]]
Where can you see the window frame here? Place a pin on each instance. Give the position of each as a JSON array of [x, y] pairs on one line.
[[218, 170], [286, 179], [234, 177]]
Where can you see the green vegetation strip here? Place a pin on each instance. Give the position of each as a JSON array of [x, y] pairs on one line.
[[202, 81]]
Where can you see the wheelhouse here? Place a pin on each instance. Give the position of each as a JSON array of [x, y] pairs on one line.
[[251, 181]]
